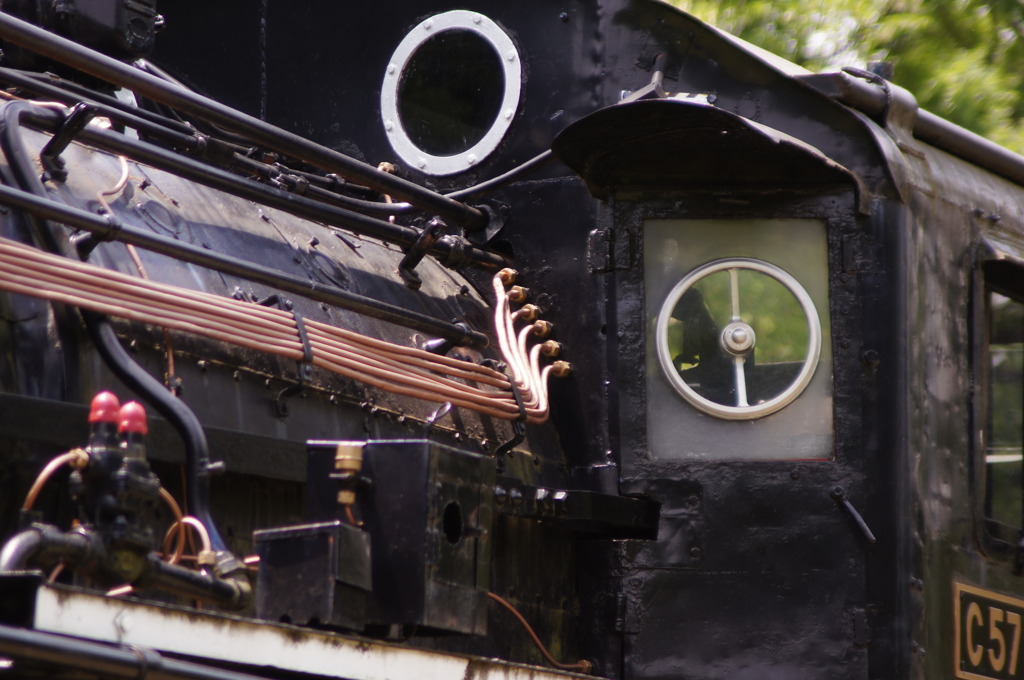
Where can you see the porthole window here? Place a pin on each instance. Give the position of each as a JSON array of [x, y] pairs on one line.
[[450, 92], [738, 338]]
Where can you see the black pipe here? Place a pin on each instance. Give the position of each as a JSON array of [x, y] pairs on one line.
[[227, 592], [110, 229], [43, 546], [34, 647], [22, 169], [377, 208], [286, 201], [535, 163], [928, 127], [83, 92], [228, 182], [65, 51], [44, 543], [19, 550], [165, 130], [197, 451]]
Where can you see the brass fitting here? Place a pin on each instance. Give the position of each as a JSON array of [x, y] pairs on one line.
[[81, 459], [542, 328], [528, 313], [518, 295], [561, 369], [206, 558], [508, 276], [348, 457], [348, 460], [550, 348]]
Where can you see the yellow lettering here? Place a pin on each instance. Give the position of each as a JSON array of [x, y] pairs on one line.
[[975, 653], [1014, 619], [998, 661]]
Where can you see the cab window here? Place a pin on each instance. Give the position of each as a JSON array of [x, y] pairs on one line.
[[1004, 427]]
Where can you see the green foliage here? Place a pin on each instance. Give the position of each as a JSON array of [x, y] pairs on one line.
[[962, 59]]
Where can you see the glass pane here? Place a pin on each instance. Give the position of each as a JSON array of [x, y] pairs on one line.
[[1006, 411], [676, 430], [450, 92], [774, 315]]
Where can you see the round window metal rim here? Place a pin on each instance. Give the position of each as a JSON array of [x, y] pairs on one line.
[[770, 406], [400, 141]]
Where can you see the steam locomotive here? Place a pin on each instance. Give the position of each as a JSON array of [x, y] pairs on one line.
[[511, 340]]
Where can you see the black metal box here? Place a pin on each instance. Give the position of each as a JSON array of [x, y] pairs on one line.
[[428, 510], [314, 573]]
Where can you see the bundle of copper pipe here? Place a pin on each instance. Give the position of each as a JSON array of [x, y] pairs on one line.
[[387, 366]]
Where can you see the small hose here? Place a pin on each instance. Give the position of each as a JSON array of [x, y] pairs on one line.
[[582, 666]]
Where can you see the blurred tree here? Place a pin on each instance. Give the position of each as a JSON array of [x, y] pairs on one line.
[[962, 59]]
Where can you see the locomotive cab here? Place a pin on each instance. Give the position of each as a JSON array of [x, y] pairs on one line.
[[728, 419]]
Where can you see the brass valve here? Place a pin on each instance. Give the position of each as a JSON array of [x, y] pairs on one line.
[[348, 461]]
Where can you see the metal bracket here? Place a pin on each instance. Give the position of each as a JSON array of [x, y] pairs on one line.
[[441, 346], [901, 107], [655, 89], [587, 512], [518, 425], [442, 410], [838, 494], [497, 215], [74, 122], [305, 365], [414, 255]]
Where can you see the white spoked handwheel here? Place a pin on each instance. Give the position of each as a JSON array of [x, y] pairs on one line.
[[719, 375]]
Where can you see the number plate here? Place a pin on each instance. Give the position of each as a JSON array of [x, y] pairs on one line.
[[988, 634]]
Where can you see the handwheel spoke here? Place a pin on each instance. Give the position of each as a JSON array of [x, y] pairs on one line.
[[774, 305], [741, 382], [734, 288]]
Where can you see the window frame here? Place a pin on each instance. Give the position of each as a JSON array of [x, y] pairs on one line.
[[997, 273]]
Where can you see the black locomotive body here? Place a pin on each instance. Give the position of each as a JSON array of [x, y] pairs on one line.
[[788, 446]]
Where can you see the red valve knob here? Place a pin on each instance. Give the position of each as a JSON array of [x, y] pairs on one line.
[[133, 419], [105, 408]]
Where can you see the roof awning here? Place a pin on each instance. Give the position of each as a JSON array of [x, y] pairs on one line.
[[665, 144]]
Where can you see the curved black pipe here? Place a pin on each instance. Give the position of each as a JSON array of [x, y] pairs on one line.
[[539, 161], [197, 451], [377, 208], [26, 548], [19, 550], [22, 169], [65, 51]]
